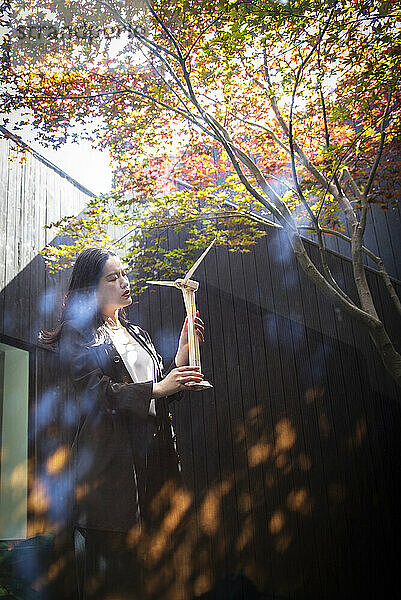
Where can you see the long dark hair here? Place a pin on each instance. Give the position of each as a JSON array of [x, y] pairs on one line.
[[79, 304]]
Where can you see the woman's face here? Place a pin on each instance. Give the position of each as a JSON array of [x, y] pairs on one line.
[[113, 288]]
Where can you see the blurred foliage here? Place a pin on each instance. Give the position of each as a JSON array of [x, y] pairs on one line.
[[145, 81]]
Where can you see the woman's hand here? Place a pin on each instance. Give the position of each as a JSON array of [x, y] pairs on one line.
[[176, 381], [181, 358]]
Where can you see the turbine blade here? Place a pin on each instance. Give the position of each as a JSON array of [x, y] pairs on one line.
[[197, 263], [169, 283]]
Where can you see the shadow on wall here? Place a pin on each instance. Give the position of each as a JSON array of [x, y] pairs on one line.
[[300, 501], [291, 480]]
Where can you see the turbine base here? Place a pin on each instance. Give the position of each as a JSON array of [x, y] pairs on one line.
[[198, 387]]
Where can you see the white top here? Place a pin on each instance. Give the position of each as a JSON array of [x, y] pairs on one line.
[[138, 361]]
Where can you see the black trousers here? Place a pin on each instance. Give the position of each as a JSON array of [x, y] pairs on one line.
[[107, 568]]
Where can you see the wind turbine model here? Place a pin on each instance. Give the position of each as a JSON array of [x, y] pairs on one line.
[[188, 288]]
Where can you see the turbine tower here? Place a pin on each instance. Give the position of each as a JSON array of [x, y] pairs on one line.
[[188, 288]]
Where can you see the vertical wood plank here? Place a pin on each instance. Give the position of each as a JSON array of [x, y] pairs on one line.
[[393, 221], [4, 200], [11, 313], [382, 236], [216, 406]]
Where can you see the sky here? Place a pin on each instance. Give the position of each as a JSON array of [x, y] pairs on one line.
[[89, 167]]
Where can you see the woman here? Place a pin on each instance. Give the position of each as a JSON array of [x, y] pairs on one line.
[[124, 447]]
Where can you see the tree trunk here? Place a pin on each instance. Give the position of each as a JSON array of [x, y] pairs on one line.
[[389, 355]]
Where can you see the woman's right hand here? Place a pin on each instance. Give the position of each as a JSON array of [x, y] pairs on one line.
[[175, 381]]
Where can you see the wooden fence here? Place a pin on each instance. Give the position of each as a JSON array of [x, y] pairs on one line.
[[291, 463]]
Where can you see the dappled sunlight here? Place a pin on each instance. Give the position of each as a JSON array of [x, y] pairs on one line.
[[258, 453], [171, 578], [254, 412], [38, 499], [239, 432], [247, 519], [276, 522], [283, 542], [180, 501], [315, 393], [285, 436], [93, 584], [39, 526], [18, 479], [218, 117], [162, 498], [258, 503], [81, 491], [300, 501], [359, 434], [210, 512], [54, 571], [58, 460], [304, 461], [181, 566], [202, 584], [154, 583], [134, 536], [84, 490], [271, 508], [281, 461], [246, 534], [270, 480]]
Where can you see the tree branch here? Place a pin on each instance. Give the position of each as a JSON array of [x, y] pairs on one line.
[[221, 135], [383, 126], [159, 20], [290, 128], [204, 30], [223, 215], [269, 131], [353, 183], [304, 160], [327, 135], [162, 78], [135, 32], [389, 286], [271, 96], [326, 268]]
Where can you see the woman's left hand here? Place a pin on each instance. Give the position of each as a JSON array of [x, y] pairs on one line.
[[181, 358]]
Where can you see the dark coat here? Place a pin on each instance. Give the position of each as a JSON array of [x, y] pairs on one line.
[[121, 454]]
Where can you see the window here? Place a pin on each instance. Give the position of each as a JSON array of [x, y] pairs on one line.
[[14, 394]]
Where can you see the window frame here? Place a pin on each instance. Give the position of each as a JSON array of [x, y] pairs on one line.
[[31, 446]]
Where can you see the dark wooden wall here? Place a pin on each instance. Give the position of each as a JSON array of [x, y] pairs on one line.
[[291, 462], [32, 194], [291, 459], [382, 236]]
